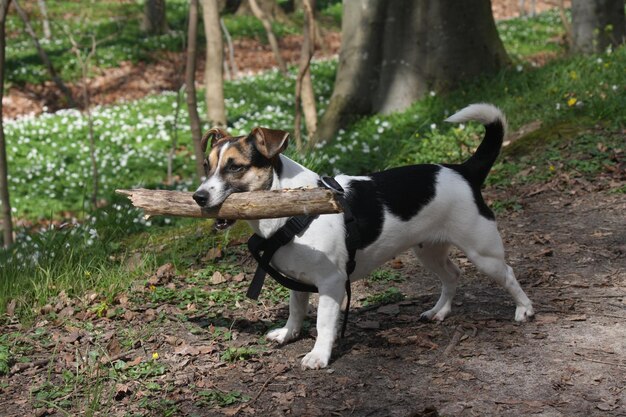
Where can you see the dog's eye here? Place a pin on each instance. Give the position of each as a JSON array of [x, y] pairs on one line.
[[235, 168]]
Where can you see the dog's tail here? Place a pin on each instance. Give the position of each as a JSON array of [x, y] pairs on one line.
[[479, 165]]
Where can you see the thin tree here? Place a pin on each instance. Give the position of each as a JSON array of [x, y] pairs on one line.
[[44, 56], [190, 85], [304, 85], [271, 37], [7, 221], [84, 61], [213, 72], [234, 71], [47, 33]]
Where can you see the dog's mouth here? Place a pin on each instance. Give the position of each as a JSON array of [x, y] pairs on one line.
[[223, 224]]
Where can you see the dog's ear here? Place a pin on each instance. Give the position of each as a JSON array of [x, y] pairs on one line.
[[213, 135], [270, 142]]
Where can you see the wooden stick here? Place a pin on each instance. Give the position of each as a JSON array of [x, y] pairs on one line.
[[248, 205]]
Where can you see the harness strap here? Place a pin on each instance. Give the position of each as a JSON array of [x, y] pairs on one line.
[[263, 250]]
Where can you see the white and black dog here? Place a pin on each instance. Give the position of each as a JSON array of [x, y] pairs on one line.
[[426, 208]]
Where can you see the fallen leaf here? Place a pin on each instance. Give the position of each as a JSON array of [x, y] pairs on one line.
[[368, 324], [213, 253], [135, 361], [122, 391], [11, 308], [113, 347], [66, 312], [239, 277], [396, 264], [186, 350], [166, 270], [390, 310], [217, 278]]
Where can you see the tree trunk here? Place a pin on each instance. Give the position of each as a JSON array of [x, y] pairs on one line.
[[190, 83], [596, 24], [154, 20], [47, 33], [308, 47], [304, 86], [393, 52], [267, 25], [5, 201], [44, 57], [213, 73], [249, 205]]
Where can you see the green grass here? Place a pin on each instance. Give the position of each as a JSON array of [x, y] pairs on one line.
[[390, 295], [523, 38]]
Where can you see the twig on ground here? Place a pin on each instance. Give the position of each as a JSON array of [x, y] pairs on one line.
[[620, 365], [20, 367], [456, 337]]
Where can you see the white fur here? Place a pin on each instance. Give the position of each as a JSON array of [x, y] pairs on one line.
[[480, 112], [215, 185]]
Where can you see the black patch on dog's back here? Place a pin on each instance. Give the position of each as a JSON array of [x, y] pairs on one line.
[[403, 191], [406, 190]]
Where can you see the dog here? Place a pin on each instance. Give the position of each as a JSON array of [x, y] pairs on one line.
[[426, 208]]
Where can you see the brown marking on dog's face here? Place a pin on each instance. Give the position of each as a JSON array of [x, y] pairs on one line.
[[244, 163]]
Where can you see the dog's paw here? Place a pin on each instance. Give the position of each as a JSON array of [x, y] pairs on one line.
[[315, 360], [432, 315], [282, 335], [524, 313]]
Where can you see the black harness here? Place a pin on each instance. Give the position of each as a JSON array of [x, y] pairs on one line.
[[264, 249]]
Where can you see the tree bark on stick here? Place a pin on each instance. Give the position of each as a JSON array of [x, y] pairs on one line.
[[214, 71], [190, 85], [249, 205], [44, 56], [267, 25], [5, 201], [304, 86]]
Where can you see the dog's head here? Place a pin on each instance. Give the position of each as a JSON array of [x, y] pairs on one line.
[[238, 164]]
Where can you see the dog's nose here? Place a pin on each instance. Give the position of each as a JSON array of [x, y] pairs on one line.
[[201, 197]]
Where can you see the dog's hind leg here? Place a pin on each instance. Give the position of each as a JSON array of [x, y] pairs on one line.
[[298, 304], [487, 253], [435, 258]]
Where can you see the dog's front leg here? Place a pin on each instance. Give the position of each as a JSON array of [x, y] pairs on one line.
[[331, 296], [298, 305]]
